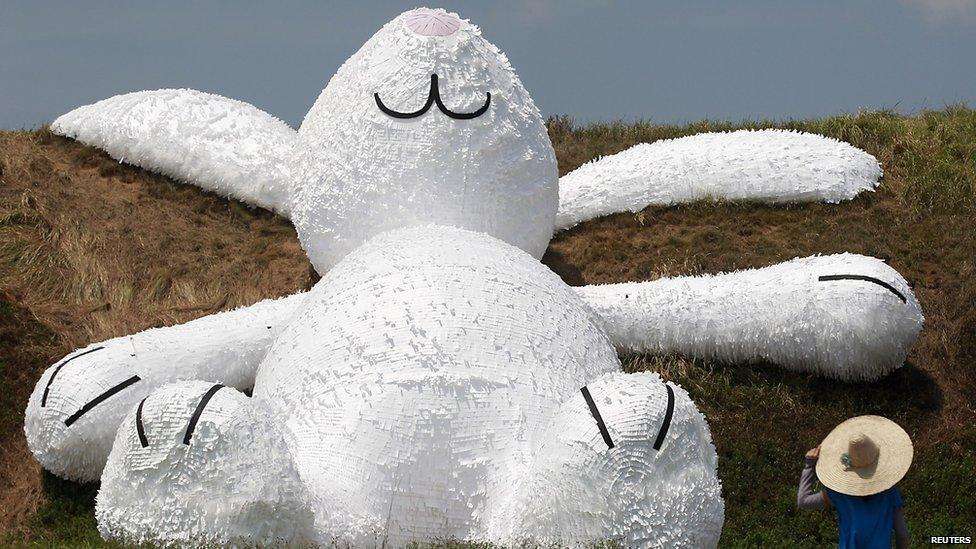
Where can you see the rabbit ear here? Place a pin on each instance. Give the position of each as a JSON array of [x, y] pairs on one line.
[[221, 145], [774, 166]]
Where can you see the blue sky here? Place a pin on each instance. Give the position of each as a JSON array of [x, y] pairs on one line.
[[668, 61]]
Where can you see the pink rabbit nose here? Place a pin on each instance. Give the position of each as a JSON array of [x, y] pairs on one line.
[[427, 22]]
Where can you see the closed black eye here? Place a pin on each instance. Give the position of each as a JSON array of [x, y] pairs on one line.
[[430, 101], [434, 96], [458, 115]]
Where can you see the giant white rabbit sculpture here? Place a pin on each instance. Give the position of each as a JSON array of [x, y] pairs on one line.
[[439, 381]]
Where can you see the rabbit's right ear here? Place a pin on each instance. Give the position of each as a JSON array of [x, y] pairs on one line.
[[221, 145]]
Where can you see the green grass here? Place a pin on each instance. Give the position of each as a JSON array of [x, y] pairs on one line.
[[922, 220], [67, 518], [764, 419]]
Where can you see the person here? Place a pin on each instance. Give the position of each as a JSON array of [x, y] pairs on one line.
[[859, 464]]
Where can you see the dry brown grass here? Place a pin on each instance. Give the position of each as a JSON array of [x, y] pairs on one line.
[[91, 249]]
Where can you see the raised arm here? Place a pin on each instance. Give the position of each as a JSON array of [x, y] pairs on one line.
[[222, 145], [77, 404], [806, 498]]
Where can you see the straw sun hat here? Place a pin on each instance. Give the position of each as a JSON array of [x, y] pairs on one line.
[[864, 455]]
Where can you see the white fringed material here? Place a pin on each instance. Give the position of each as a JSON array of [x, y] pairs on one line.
[[366, 172], [429, 386], [223, 348], [419, 378], [231, 481], [849, 329], [410, 419], [760, 165], [579, 491], [222, 145]]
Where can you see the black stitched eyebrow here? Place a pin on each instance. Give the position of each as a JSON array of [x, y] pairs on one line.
[[433, 96], [878, 281], [666, 424], [196, 413], [99, 399], [596, 415], [140, 430], [57, 369], [457, 115]]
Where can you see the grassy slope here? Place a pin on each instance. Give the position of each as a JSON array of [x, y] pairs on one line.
[[67, 277]]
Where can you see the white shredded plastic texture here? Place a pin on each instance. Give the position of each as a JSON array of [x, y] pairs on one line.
[[429, 386], [759, 165], [577, 491], [421, 378], [366, 172], [222, 145], [234, 483], [846, 329], [223, 348]]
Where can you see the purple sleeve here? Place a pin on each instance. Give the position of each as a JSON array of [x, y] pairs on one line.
[[806, 498]]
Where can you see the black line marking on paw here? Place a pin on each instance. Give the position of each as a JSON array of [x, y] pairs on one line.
[[99, 399], [140, 430], [666, 424], [57, 369], [865, 278], [196, 413], [596, 415]]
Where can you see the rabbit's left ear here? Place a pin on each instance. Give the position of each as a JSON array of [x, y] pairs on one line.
[[774, 166], [221, 145]]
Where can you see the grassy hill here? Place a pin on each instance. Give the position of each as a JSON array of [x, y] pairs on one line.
[[91, 249]]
